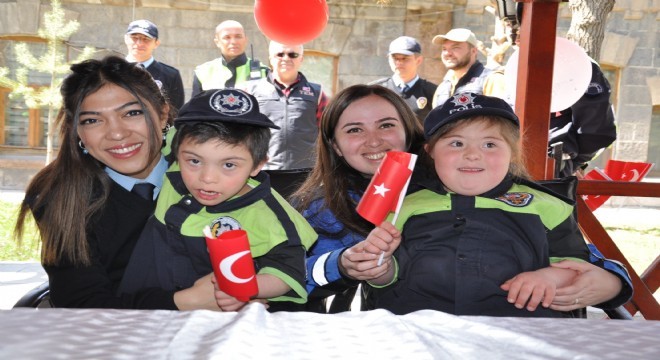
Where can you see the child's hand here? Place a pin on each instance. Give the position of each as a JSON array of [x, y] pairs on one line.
[[531, 288], [384, 238], [225, 301]]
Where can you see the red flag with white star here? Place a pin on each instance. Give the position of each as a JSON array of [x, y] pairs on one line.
[[387, 188]]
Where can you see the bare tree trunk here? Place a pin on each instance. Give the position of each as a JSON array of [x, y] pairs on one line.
[[588, 24]]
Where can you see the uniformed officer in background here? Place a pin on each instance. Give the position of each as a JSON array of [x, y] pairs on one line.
[[405, 57]]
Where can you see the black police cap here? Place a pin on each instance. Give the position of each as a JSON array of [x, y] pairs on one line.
[[225, 105], [466, 105]]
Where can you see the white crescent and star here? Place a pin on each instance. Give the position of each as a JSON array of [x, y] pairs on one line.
[[635, 175], [228, 262], [380, 189]]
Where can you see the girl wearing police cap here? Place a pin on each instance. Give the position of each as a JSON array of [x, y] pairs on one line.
[[478, 238]]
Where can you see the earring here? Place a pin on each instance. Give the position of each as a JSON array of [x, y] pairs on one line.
[[82, 147], [166, 130]]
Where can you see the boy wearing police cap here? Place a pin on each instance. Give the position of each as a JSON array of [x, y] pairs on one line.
[[220, 146], [141, 40], [477, 230], [405, 57]]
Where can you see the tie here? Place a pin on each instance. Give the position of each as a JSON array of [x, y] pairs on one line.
[[405, 88], [145, 190]]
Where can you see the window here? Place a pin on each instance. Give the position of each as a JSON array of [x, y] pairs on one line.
[[321, 67], [21, 126]]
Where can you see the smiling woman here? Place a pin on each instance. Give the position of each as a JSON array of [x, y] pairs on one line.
[[111, 130], [358, 127]]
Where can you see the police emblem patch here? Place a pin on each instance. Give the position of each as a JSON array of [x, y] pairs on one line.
[[463, 99], [517, 199], [230, 102], [222, 224], [421, 102]]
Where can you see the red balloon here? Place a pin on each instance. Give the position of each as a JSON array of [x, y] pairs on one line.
[[291, 22]]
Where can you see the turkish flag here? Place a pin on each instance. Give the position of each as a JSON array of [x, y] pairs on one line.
[[631, 171], [388, 187], [595, 201], [232, 263], [615, 170]]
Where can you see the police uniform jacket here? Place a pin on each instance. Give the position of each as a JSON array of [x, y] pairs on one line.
[[292, 146], [112, 235], [418, 97], [457, 250], [171, 253], [587, 126], [170, 82], [473, 81], [220, 74]]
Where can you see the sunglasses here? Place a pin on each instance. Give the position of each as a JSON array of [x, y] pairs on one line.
[[291, 55]]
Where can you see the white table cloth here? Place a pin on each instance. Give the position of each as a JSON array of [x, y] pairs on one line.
[[253, 333]]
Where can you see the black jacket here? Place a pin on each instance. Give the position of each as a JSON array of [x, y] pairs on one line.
[[170, 81], [111, 236], [418, 97]]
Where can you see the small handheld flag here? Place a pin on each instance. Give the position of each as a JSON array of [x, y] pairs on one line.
[[232, 263]]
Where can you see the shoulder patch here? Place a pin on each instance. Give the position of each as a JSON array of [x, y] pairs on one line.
[[595, 88], [517, 199], [224, 223]]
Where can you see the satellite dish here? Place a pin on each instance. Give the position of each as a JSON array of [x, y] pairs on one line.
[[570, 76]]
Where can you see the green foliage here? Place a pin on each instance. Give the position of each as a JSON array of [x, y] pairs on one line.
[[56, 31], [10, 249]]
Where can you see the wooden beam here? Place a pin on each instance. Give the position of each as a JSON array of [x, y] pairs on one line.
[[534, 82]]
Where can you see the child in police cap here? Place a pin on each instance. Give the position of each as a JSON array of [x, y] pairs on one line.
[[220, 146], [477, 237]]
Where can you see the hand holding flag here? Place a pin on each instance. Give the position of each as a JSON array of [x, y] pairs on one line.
[[387, 189], [232, 263]]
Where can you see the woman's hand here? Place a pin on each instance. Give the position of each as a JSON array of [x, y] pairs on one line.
[[198, 297], [592, 286], [361, 261]]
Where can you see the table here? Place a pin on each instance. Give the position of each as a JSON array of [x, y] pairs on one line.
[[254, 333]]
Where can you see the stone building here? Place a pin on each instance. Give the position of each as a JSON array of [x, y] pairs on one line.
[[351, 50]]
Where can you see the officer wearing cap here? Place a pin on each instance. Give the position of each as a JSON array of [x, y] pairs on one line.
[[141, 40], [465, 73], [405, 58]]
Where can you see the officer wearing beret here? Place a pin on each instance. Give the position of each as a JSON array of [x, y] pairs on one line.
[[141, 40]]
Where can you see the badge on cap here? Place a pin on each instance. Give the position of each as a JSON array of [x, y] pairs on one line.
[[464, 100], [230, 103]]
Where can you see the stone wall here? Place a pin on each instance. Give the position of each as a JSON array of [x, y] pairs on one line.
[[358, 33]]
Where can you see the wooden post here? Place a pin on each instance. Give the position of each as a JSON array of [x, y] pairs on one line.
[[534, 83]]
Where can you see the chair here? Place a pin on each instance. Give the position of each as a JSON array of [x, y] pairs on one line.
[[38, 297]]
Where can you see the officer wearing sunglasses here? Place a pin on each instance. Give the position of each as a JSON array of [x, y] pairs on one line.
[[295, 105]]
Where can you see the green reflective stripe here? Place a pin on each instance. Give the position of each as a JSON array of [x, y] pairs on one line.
[[257, 219], [214, 75], [295, 286], [551, 210], [423, 202]]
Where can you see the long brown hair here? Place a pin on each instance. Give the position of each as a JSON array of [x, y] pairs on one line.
[[332, 178], [67, 193]]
